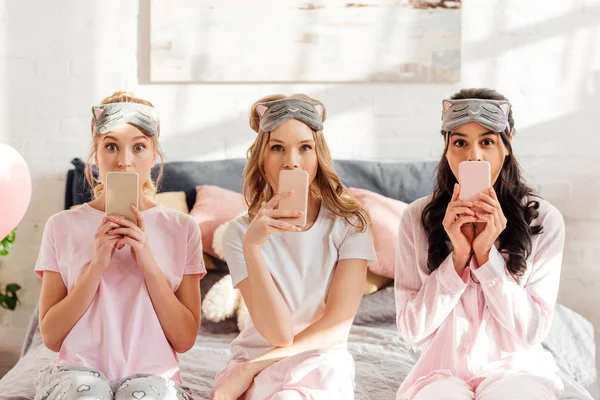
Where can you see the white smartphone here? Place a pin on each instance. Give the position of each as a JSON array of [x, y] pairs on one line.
[[122, 191], [297, 181]]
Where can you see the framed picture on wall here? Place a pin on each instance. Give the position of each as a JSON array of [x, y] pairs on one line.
[[237, 41]]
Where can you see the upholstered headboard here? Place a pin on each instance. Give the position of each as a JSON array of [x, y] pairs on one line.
[[406, 181]]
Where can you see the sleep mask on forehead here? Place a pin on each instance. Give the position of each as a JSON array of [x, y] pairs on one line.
[[275, 113], [109, 116], [492, 114]]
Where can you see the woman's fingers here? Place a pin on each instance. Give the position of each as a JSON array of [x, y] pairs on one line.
[[108, 226], [276, 199], [485, 207], [488, 219], [463, 219], [123, 221], [462, 210], [283, 214], [455, 192], [132, 233], [460, 203], [140, 219], [488, 200], [281, 225]]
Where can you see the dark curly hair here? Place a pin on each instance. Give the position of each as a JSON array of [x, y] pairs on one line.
[[515, 240]]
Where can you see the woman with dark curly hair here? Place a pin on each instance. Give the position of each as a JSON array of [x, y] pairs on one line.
[[477, 281]]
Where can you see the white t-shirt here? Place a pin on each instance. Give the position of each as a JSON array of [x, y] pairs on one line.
[[302, 265]]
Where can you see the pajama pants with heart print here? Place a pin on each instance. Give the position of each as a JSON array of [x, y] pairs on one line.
[[70, 382]]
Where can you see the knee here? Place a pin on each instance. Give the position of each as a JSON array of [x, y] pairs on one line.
[[518, 387], [146, 386], [71, 382], [287, 395], [89, 388], [449, 388]]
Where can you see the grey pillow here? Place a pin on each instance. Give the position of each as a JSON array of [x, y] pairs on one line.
[[405, 181]]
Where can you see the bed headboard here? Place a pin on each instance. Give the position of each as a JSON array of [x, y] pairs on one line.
[[406, 181]]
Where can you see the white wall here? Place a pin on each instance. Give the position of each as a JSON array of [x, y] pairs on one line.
[[58, 58]]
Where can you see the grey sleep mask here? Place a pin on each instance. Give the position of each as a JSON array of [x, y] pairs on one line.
[[275, 113], [109, 116], [493, 114]]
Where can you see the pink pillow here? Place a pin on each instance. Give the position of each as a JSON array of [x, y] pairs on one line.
[[386, 215], [215, 206]]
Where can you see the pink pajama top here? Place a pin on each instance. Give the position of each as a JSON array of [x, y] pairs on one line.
[[476, 330], [120, 333]]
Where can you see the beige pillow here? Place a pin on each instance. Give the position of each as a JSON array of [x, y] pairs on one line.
[[173, 200], [375, 282]]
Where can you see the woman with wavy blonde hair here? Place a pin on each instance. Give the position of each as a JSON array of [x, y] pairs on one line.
[[302, 285], [119, 299]]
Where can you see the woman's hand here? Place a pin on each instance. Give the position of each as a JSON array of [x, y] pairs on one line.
[[495, 220], [458, 223], [135, 236], [105, 244], [267, 222], [237, 384]]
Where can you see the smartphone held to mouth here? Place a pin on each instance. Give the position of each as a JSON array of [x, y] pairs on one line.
[[296, 181], [122, 191], [474, 177]]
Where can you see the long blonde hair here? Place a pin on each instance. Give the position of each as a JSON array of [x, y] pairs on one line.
[[97, 186], [327, 185]]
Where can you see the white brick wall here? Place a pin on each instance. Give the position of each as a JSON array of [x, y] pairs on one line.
[[58, 58]]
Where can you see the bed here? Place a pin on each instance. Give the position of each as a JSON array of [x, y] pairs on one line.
[[382, 358]]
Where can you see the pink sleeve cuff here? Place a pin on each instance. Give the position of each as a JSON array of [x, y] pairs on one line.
[[195, 269], [449, 278], [493, 270]]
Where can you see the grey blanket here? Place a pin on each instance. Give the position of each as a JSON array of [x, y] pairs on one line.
[[382, 358]]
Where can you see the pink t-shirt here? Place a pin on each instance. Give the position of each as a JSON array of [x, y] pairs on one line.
[[120, 333]]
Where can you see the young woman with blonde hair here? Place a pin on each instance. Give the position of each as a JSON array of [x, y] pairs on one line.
[[302, 285], [119, 299]]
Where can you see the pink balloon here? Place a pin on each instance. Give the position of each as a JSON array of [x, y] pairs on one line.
[[15, 189]]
